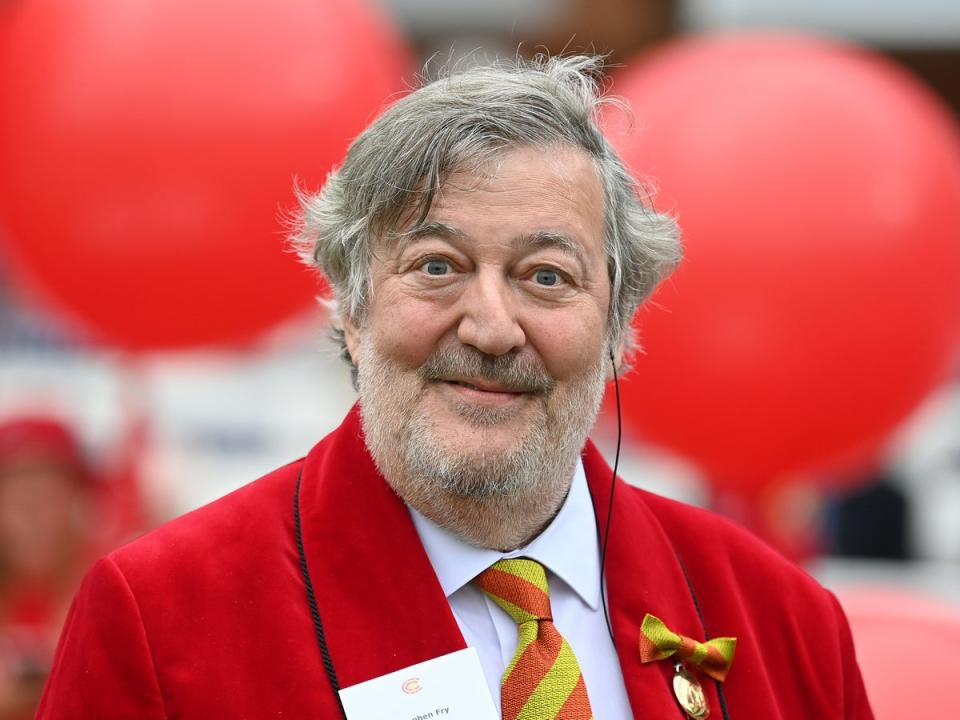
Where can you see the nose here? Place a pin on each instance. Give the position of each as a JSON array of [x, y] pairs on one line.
[[489, 320]]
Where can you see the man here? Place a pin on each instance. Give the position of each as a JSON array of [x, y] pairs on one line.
[[487, 250]]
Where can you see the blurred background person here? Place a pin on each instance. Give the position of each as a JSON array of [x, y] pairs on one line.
[[46, 542]]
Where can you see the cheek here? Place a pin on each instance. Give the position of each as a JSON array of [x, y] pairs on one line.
[[407, 332], [570, 349]]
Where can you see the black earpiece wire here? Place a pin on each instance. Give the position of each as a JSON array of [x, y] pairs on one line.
[[613, 486], [725, 713]]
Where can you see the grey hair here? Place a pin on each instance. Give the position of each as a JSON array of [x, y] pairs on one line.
[[394, 169]]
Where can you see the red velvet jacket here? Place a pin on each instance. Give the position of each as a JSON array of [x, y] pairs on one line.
[[207, 617]]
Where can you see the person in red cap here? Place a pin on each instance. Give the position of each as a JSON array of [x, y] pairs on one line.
[[45, 513]]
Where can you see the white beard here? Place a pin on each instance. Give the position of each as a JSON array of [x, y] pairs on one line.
[[488, 495]]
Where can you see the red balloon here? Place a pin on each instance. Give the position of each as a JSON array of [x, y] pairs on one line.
[[908, 647], [817, 187], [148, 149]]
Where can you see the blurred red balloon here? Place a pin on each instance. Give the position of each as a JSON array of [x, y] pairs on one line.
[[148, 148], [908, 647], [818, 190]]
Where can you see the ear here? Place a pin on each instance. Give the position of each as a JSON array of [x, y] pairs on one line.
[[351, 335]]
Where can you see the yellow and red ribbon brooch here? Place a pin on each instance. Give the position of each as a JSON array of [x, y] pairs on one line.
[[658, 642]]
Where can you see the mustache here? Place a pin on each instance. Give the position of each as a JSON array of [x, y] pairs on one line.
[[517, 373]]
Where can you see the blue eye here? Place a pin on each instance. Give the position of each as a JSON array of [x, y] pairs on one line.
[[436, 267], [546, 277]]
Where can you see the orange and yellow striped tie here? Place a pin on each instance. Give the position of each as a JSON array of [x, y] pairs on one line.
[[543, 680]]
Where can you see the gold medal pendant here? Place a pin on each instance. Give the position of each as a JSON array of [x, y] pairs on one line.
[[689, 694]]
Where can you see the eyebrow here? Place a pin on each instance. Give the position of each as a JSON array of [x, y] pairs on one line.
[[541, 239], [428, 229]]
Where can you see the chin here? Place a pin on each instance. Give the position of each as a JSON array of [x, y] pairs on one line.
[[481, 445]]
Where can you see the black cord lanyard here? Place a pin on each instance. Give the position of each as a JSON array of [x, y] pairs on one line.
[[603, 550], [312, 600]]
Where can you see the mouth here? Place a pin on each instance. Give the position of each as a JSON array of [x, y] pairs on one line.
[[485, 387], [483, 393]]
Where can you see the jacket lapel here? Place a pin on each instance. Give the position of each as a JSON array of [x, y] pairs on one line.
[[643, 575], [381, 605]]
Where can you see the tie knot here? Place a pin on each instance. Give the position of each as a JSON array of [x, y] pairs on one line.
[[519, 586]]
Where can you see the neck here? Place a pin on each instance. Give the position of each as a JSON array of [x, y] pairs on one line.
[[500, 522]]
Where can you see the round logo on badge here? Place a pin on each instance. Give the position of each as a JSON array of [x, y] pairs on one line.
[[411, 686]]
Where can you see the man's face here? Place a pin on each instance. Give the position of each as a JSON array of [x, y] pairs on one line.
[[481, 358]]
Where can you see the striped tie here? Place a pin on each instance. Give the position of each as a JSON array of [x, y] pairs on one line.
[[543, 680]]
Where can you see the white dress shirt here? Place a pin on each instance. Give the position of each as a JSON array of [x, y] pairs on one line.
[[570, 551]]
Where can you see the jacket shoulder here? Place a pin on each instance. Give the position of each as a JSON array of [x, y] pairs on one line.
[[785, 622], [256, 516]]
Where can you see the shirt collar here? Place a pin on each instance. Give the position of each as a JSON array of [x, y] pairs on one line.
[[456, 562]]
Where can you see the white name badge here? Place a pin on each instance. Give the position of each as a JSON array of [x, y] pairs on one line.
[[450, 687]]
